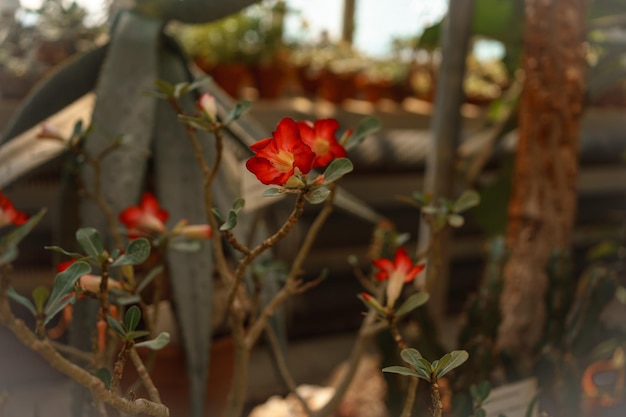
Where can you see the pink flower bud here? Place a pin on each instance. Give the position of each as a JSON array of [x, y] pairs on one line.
[[49, 131], [207, 104], [196, 231]]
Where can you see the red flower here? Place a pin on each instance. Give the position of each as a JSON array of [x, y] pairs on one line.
[[145, 219], [398, 272], [278, 157], [320, 136], [8, 213]]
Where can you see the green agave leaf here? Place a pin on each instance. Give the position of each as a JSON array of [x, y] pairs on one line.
[[132, 318], [104, 375], [91, 242], [414, 301], [241, 108], [317, 195], [22, 300], [137, 251], [457, 358], [154, 272], [365, 128], [63, 285], [157, 343], [116, 326], [40, 295], [337, 169], [402, 370], [466, 201], [272, 192]]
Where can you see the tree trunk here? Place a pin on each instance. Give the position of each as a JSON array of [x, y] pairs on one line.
[[543, 204]]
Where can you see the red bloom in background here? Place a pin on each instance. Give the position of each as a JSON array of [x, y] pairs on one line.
[[278, 157], [146, 218], [398, 272], [320, 136], [89, 282], [9, 214]]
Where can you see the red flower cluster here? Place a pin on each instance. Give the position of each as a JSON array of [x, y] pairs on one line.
[[9, 214], [146, 218], [295, 147]]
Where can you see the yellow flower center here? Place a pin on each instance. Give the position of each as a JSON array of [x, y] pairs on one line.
[[283, 161], [321, 146]]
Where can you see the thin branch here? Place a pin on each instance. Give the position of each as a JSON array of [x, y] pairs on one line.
[[152, 390]]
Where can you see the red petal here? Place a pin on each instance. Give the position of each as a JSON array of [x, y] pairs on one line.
[[326, 128], [131, 216], [266, 172], [256, 147], [410, 276], [402, 261], [287, 135], [62, 266]]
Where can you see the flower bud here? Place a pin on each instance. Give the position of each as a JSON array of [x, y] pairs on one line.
[[207, 104], [49, 131], [196, 231]]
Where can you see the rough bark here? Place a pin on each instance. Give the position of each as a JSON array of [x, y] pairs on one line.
[[543, 204]]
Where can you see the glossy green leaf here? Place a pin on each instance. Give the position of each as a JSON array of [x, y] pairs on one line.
[[91, 242], [40, 295], [157, 343], [63, 285], [317, 195], [456, 359], [402, 370], [414, 301], [137, 251], [132, 317], [104, 375], [466, 201], [337, 169], [20, 299], [365, 128], [154, 272], [116, 326], [241, 108], [272, 192]]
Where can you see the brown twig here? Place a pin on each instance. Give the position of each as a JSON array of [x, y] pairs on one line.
[[144, 376]]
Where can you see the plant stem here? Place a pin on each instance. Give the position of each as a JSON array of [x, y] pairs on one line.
[[120, 363], [144, 376], [435, 398], [414, 381]]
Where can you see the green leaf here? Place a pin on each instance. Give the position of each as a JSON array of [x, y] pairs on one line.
[[21, 300], [241, 108], [337, 169], [154, 272], [457, 358], [132, 318], [402, 370], [136, 334], [411, 356], [231, 222], [239, 204], [164, 87], [116, 326], [317, 195], [157, 343], [58, 249], [19, 233], [63, 285], [55, 309], [127, 300], [218, 214], [480, 413], [91, 242], [411, 303], [424, 369], [137, 251], [484, 389], [196, 122], [104, 375], [456, 220], [365, 128], [272, 192], [181, 89], [40, 295], [8, 255], [466, 201]]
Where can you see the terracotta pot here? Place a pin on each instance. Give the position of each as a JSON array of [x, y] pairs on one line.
[[308, 79], [269, 80], [337, 87], [232, 77]]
